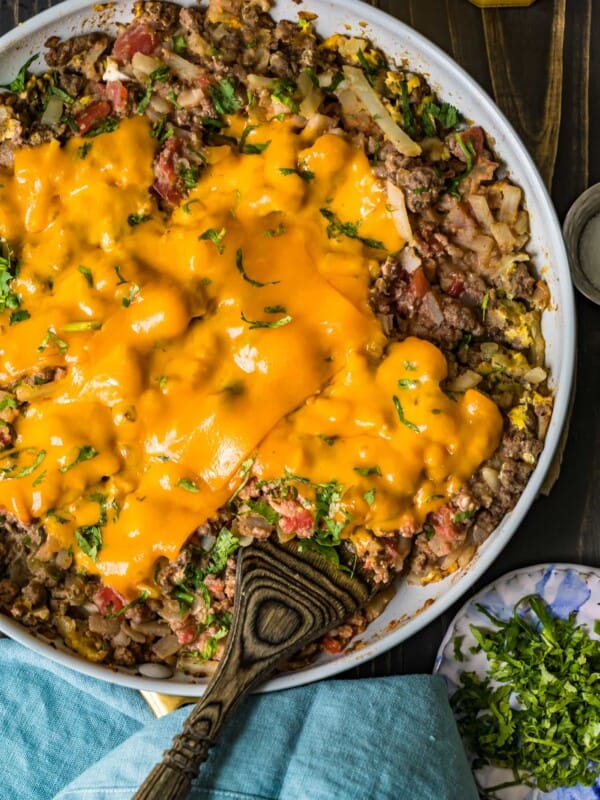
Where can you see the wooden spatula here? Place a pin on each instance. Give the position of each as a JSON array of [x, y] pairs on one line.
[[284, 599]]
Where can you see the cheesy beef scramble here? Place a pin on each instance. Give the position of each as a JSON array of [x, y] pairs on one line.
[[253, 284]]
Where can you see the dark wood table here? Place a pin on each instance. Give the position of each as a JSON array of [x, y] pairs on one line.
[[542, 66]]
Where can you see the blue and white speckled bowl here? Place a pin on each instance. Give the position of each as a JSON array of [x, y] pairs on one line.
[[565, 588]]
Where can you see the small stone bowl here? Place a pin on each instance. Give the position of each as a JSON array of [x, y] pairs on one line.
[[581, 230]]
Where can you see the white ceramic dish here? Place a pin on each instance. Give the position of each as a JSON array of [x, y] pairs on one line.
[[413, 607], [566, 588]]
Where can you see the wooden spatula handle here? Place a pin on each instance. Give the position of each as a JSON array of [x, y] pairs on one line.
[[283, 601]]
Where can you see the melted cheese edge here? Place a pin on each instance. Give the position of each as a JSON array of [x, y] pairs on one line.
[[169, 378]]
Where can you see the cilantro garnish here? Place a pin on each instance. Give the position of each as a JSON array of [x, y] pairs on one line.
[[62, 95], [305, 174], [137, 219], [224, 97], [364, 471], [188, 485], [8, 271], [549, 737], [141, 598], [400, 411], [19, 316], [87, 274], [160, 132], [369, 496], [445, 114], [86, 453], [273, 232], [278, 323], [133, 293], [406, 383], [10, 474], [484, 305], [17, 85], [52, 338], [337, 228], [160, 75], [89, 537], [251, 149], [216, 237], [239, 263], [106, 125], [283, 92], [189, 175], [179, 44], [82, 152]]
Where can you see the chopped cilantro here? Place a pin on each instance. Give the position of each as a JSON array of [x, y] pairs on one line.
[[251, 149], [8, 272], [273, 232], [62, 95], [137, 219], [406, 383], [283, 92], [10, 474], [106, 125], [224, 97], [216, 237], [19, 316], [239, 263], [369, 496], [188, 485], [52, 338], [536, 710], [400, 411], [86, 453], [17, 85], [141, 598], [133, 293], [87, 274], [83, 151], [337, 228], [305, 174], [279, 323], [179, 44], [364, 471]]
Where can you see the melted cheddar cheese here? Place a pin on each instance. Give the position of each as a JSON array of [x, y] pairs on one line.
[[239, 326]]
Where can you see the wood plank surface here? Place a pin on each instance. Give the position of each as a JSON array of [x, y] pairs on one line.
[[542, 66]]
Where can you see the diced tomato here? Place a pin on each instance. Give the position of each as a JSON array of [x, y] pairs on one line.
[[457, 287], [331, 645], [166, 184], [187, 634], [88, 118], [300, 522], [137, 38], [108, 601], [443, 523], [118, 95], [476, 137], [419, 285]]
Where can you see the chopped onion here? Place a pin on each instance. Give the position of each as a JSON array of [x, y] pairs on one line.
[[151, 628], [490, 476], [167, 646], [511, 200], [313, 96], [143, 65], [507, 261], [467, 380], [113, 72], [489, 348], [159, 104], [365, 93], [521, 224], [409, 259], [53, 112], [535, 375], [503, 236], [398, 211], [182, 68], [260, 82], [431, 304], [481, 210], [189, 98], [245, 541]]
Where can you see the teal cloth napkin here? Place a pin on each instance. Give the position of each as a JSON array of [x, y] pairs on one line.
[[69, 737]]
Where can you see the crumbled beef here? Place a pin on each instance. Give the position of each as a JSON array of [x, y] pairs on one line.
[[81, 54], [421, 186]]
